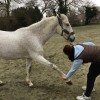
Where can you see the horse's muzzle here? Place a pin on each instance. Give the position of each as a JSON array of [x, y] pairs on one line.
[[72, 40], [72, 37]]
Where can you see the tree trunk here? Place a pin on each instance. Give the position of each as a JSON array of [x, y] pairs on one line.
[[7, 3]]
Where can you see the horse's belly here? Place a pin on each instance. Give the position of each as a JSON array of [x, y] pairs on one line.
[[13, 54]]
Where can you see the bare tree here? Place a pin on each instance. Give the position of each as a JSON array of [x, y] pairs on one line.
[[31, 3], [6, 4], [45, 5], [50, 5], [2, 9], [68, 4]]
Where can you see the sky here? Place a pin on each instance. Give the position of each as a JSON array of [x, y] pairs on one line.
[[97, 2]]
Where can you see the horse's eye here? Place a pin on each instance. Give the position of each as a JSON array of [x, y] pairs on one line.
[[67, 24]]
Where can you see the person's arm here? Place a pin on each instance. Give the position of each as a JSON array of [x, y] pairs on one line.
[[89, 43], [75, 66]]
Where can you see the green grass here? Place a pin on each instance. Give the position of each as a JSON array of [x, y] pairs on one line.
[[48, 85]]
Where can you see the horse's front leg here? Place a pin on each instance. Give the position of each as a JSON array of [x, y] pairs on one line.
[[28, 71], [42, 60]]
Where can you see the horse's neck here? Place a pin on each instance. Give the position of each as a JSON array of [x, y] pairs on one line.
[[45, 28], [49, 30]]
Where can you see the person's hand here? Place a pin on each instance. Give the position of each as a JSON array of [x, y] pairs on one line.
[[68, 81]]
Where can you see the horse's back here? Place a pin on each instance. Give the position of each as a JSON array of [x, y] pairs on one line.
[[10, 45]]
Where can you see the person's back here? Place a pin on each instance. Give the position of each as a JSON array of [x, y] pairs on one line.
[[90, 53]]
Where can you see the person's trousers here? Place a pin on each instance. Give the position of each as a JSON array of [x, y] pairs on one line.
[[94, 71]]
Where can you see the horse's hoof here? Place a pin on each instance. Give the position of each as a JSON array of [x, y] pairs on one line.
[[31, 85], [69, 82], [1, 83]]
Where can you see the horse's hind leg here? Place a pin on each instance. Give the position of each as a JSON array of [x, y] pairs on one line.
[[28, 71]]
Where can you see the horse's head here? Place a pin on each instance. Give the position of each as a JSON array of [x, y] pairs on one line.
[[64, 28]]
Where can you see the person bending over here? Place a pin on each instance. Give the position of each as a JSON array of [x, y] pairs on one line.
[[80, 54]]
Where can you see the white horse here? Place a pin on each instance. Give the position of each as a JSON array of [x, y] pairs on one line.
[[28, 42]]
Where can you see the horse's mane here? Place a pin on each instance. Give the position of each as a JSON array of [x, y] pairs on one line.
[[46, 21], [41, 24]]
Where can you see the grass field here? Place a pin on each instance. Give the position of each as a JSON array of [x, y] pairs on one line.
[[48, 85]]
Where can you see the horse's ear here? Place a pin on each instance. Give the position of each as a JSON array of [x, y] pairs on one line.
[[56, 11], [47, 13]]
